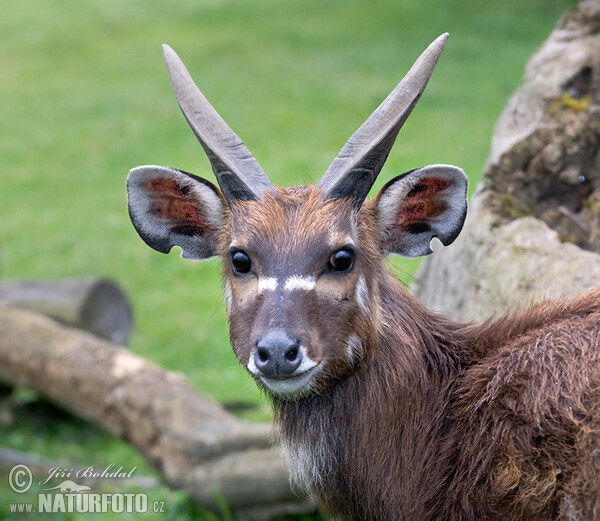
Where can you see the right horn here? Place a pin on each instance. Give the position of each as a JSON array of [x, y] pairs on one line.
[[355, 169]]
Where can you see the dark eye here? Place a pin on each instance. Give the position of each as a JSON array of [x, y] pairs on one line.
[[341, 260], [241, 262]]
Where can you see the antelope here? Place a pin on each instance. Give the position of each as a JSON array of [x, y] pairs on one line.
[[386, 410]]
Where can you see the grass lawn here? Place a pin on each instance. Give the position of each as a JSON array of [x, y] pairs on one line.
[[85, 97]]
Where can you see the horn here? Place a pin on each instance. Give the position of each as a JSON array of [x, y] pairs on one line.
[[239, 175], [355, 169]]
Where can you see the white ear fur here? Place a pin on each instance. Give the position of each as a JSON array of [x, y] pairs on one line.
[[157, 194], [415, 207]]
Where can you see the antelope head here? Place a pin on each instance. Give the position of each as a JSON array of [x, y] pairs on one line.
[[300, 265]]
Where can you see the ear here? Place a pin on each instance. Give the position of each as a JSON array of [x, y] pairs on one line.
[[169, 208], [417, 206]]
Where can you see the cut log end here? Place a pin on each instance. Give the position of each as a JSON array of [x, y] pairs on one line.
[[95, 305]]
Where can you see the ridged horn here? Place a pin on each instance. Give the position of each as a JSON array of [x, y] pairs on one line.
[[238, 173], [355, 169]]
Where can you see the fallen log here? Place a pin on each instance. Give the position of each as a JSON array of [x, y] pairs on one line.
[[93, 304], [193, 441]]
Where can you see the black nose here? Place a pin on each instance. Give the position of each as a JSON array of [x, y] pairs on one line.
[[277, 354]]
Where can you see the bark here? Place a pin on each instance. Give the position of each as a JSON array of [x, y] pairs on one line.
[[192, 440], [533, 228], [92, 304]]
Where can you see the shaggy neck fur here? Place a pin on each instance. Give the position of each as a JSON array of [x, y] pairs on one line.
[[429, 428], [399, 398]]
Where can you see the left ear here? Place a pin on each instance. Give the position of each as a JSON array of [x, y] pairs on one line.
[[415, 207], [169, 207]]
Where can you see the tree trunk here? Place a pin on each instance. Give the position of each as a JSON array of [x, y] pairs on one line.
[[533, 228], [192, 440]]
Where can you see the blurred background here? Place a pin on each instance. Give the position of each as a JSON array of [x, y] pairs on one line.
[[85, 96]]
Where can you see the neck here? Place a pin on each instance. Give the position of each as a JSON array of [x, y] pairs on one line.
[[351, 445]]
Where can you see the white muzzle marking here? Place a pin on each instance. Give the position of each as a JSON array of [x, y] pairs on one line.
[[298, 282], [267, 284]]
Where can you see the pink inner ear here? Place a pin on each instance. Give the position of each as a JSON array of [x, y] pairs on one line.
[[423, 201], [166, 188], [172, 202]]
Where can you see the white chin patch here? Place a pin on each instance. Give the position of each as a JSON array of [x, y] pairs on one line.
[[290, 388]]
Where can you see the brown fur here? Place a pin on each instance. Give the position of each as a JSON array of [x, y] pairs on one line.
[[387, 411], [289, 232], [398, 413], [441, 424], [430, 419], [439, 420]]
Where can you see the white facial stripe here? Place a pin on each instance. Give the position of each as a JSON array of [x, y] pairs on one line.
[[267, 283], [228, 295], [362, 294], [355, 348], [297, 282]]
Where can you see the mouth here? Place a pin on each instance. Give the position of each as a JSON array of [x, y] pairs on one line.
[[287, 386], [293, 386]]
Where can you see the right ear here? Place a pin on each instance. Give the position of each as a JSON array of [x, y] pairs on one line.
[[169, 207], [415, 207]]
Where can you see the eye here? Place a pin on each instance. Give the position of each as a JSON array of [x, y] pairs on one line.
[[241, 262], [341, 260]]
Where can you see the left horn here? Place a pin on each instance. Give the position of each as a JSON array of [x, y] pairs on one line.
[[238, 173], [353, 172]]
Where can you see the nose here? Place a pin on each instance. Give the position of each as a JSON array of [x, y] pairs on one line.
[[277, 354]]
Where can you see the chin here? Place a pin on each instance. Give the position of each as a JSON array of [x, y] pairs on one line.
[[292, 387]]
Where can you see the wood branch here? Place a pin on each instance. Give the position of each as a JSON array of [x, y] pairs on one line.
[[192, 440], [93, 304]]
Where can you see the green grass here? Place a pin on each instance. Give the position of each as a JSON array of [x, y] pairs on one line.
[[85, 97]]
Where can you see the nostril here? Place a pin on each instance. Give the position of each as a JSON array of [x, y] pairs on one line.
[[292, 354], [263, 355]]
